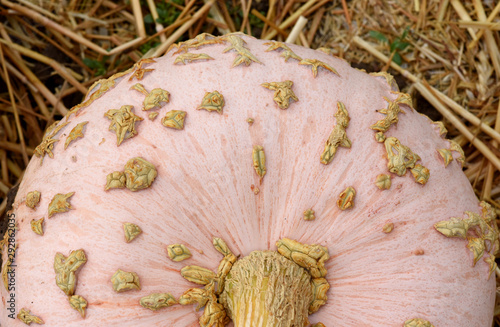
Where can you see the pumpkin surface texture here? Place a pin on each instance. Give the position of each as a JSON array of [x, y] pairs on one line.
[[147, 201]]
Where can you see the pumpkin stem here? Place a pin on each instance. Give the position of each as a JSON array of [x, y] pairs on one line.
[[265, 289]]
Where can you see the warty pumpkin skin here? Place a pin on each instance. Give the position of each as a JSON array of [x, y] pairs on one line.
[[205, 187]]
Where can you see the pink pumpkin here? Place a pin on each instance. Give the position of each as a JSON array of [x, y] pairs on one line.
[[257, 146]]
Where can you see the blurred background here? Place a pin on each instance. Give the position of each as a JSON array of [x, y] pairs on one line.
[[444, 53]]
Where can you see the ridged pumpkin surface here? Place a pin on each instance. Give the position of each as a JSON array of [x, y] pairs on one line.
[[204, 189]]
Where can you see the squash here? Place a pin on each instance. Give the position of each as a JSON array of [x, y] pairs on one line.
[[241, 182]]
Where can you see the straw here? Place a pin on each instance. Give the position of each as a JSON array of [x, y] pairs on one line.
[[57, 67], [270, 23], [53, 25], [290, 20], [161, 49], [154, 14], [490, 40], [299, 25]]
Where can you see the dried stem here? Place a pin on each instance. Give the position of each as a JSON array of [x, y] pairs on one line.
[[299, 25], [492, 15], [270, 23], [488, 185], [13, 102], [290, 20], [52, 63], [161, 49], [53, 25], [154, 14], [490, 40]]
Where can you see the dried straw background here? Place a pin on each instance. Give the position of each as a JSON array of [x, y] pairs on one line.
[[51, 51]]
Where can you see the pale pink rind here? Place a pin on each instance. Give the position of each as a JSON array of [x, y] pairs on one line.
[[203, 189]]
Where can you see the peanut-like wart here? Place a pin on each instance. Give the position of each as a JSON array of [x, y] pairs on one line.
[[212, 101], [125, 281], [346, 198], [178, 252]]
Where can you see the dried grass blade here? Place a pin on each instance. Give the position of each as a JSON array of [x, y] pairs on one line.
[[4, 188], [464, 15], [19, 75], [346, 13], [185, 10], [13, 102], [303, 40], [290, 20], [58, 46], [166, 30], [297, 28], [488, 185], [14, 147], [219, 17], [319, 5], [130, 44], [270, 23], [27, 40], [48, 61], [40, 103], [94, 8], [154, 14], [245, 10], [116, 8], [443, 6], [490, 40], [315, 24], [37, 83], [14, 168], [53, 25], [482, 24], [139, 20], [492, 16], [3, 166], [269, 16], [41, 10], [162, 48]]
